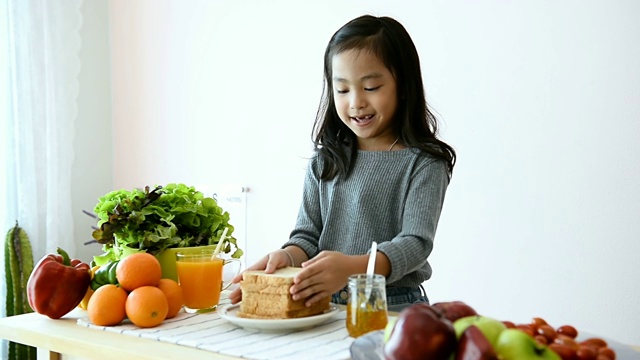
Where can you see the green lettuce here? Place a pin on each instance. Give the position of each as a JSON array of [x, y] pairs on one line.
[[172, 216]]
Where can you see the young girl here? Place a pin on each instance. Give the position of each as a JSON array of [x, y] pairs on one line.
[[379, 172]]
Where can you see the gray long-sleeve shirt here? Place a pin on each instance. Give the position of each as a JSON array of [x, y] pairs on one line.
[[391, 197]]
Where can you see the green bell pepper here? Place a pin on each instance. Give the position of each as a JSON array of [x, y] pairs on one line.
[[105, 275]]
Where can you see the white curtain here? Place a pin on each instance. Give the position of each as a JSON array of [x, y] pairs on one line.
[[38, 113]]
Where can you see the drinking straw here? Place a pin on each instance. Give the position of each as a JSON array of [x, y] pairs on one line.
[[222, 238]]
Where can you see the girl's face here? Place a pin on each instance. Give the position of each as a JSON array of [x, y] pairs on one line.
[[365, 97]]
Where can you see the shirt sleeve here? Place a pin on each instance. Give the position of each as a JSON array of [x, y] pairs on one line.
[[306, 233], [409, 250]]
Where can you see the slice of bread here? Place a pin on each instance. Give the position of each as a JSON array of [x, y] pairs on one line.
[[267, 296], [283, 276], [266, 288], [262, 313], [276, 301]]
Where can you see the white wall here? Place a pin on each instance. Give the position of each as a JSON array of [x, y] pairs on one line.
[[92, 169], [540, 99]]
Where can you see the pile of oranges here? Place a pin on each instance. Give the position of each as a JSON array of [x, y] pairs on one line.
[[143, 296]]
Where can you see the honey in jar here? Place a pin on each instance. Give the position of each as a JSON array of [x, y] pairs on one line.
[[366, 314]]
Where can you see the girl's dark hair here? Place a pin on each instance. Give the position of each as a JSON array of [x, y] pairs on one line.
[[415, 124]]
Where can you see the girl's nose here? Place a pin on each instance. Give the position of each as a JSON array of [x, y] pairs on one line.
[[356, 101]]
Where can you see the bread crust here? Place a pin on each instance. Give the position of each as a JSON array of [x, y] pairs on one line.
[[266, 313], [283, 276]]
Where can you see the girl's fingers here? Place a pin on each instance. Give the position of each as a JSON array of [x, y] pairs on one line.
[[309, 262], [272, 265], [260, 265], [316, 298], [235, 296], [304, 293], [276, 260], [313, 294], [306, 277], [236, 279], [307, 283], [314, 260]]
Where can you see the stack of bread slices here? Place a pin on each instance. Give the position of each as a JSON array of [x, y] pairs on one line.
[[267, 296]]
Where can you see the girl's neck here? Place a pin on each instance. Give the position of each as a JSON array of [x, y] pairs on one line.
[[391, 145]]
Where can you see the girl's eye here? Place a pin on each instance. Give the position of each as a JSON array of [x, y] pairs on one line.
[[372, 89], [341, 91]]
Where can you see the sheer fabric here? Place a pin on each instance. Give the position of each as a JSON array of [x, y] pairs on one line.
[[40, 87]]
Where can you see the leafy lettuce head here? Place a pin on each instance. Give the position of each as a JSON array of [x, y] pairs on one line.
[[175, 215]]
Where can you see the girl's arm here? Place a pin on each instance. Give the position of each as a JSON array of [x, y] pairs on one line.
[[306, 233], [409, 250]]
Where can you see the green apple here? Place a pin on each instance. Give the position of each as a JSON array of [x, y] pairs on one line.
[[514, 344], [389, 328], [490, 327]]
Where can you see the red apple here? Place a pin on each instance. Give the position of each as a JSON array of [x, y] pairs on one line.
[[474, 345], [454, 310], [421, 332]]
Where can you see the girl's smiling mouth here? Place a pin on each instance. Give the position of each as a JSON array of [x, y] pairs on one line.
[[362, 119]]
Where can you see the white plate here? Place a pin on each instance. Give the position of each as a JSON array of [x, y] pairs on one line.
[[230, 313]]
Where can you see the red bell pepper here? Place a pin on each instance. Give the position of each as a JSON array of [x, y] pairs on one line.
[[57, 285]]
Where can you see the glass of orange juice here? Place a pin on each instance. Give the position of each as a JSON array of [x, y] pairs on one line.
[[200, 274]]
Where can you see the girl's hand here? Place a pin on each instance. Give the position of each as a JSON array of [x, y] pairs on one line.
[[321, 277], [269, 263]]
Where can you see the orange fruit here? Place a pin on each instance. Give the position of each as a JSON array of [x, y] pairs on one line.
[[173, 292], [139, 269], [147, 306], [106, 306]]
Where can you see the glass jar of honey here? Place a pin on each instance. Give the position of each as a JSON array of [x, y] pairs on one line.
[[366, 313]]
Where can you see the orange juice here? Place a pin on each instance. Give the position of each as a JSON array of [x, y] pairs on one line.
[[201, 281]]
